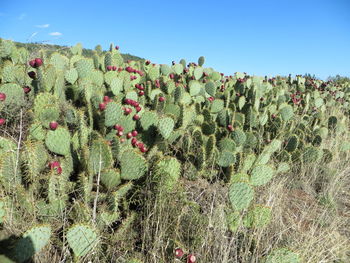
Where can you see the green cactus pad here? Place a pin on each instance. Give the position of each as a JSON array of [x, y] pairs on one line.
[[233, 219], [240, 195], [198, 73], [227, 144], [283, 167], [36, 158], [201, 61], [292, 143], [238, 137], [166, 126], [31, 242], [210, 88], [49, 114], [259, 216], [282, 255], [311, 154], [84, 67], [153, 73], [178, 68], [37, 132], [14, 94], [332, 122], [216, 106], [100, 156], [165, 69], [167, 173], [248, 162], [58, 141], [81, 239], [110, 178], [113, 113], [116, 85], [287, 112], [133, 165], [195, 87], [261, 175], [148, 119]]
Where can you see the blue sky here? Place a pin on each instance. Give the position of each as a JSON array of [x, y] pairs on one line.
[[261, 37]]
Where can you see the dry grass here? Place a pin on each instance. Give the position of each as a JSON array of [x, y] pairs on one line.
[[311, 216]]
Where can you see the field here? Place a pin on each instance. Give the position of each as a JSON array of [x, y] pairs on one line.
[[107, 160]]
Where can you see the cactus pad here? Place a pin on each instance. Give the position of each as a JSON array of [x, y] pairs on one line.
[[261, 175], [58, 141], [81, 239], [167, 173], [133, 165], [166, 126], [240, 195], [31, 242], [282, 255]]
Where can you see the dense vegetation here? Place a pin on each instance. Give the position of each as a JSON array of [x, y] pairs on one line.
[[103, 160]]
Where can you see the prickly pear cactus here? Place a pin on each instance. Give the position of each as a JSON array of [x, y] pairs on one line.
[[82, 239], [133, 165], [282, 255], [261, 175], [167, 173], [31, 242], [58, 141], [240, 195]]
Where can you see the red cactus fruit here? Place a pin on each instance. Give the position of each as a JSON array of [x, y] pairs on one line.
[[54, 164], [32, 63], [133, 141], [230, 127], [138, 109], [127, 111], [134, 133], [102, 106], [179, 253], [143, 149], [129, 69], [117, 47], [2, 96], [27, 89], [172, 76], [53, 125], [38, 62], [191, 258], [106, 99], [122, 140], [161, 99], [120, 133], [129, 135], [136, 117], [140, 145], [2, 121], [114, 68], [141, 93], [59, 170]]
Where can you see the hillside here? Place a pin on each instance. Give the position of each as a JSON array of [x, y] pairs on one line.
[[106, 160], [31, 47]]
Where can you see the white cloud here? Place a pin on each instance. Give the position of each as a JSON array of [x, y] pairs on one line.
[[22, 16], [43, 26], [55, 34]]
